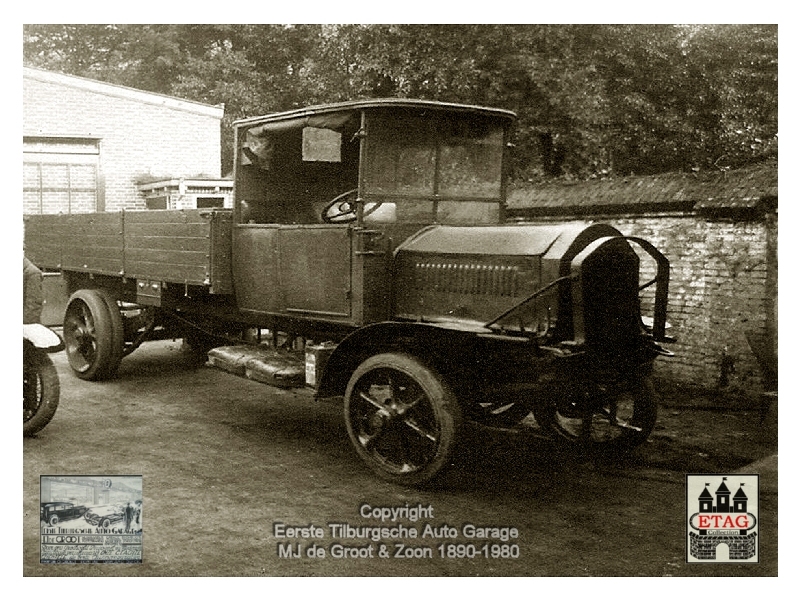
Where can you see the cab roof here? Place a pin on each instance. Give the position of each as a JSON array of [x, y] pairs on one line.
[[377, 103]]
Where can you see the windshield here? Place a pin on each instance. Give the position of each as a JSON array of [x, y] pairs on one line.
[[443, 157]]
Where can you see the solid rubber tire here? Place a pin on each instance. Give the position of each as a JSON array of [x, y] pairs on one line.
[[51, 391], [644, 417], [442, 400], [107, 336], [117, 333]]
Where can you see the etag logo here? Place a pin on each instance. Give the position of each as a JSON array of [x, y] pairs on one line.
[[722, 518]]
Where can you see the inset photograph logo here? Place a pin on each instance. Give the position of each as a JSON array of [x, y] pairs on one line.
[[722, 518], [90, 518]]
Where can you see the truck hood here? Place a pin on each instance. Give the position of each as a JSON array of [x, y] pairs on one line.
[[505, 240]]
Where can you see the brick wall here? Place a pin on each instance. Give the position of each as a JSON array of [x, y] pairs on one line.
[[719, 230], [722, 294], [140, 134]]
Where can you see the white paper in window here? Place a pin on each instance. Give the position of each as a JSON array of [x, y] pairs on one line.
[[322, 145]]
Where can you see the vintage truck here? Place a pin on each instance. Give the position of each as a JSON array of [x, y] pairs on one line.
[[367, 258]]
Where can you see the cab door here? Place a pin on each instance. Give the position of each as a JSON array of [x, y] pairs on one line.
[[315, 270], [294, 270]]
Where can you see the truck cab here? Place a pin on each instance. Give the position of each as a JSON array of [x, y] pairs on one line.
[[324, 194]]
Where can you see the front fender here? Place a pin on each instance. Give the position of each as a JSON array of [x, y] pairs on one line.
[[424, 340], [42, 337], [464, 355]]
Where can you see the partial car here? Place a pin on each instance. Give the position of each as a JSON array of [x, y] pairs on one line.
[[54, 513], [105, 515]]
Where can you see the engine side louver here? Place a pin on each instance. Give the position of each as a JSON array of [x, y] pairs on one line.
[[466, 277]]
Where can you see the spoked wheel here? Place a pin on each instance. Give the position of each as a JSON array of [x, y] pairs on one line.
[[614, 417], [93, 334], [41, 390], [402, 418]]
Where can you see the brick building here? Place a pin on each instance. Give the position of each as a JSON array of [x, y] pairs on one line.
[[719, 232], [92, 146]]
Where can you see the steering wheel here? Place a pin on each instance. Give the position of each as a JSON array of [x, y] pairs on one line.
[[343, 208]]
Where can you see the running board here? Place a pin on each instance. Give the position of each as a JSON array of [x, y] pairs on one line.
[[279, 368]]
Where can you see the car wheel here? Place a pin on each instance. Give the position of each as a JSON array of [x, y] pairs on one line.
[[106, 523], [53, 520], [402, 418], [40, 389]]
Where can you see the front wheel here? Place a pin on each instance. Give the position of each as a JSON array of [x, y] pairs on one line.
[[613, 417], [41, 390], [402, 418]]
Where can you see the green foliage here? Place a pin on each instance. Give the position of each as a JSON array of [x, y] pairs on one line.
[[592, 100]]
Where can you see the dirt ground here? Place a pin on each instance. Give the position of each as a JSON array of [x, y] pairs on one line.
[[709, 433], [223, 459]]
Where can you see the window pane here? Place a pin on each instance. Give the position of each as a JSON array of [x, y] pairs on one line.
[[403, 153], [82, 202], [401, 157], [30, 176], [55, 202], [471, 161], [60, 175], [55, 176], [82, 177], [414, 211], [468, 213]]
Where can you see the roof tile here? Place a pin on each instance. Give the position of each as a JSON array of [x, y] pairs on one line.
[[739, 188]]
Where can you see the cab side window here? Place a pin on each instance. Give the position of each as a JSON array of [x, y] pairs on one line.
[[287, 177]]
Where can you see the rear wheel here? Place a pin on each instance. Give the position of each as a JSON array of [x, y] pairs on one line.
[[93, 334], [40, 390], [402, 418], [117, 331], [612, 417]]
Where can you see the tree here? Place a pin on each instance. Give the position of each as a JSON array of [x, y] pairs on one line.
[[592, 100], [740, 63], [147, 57]]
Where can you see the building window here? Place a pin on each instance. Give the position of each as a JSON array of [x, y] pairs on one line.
[[210, 201], [156, 202], [60, 175]]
